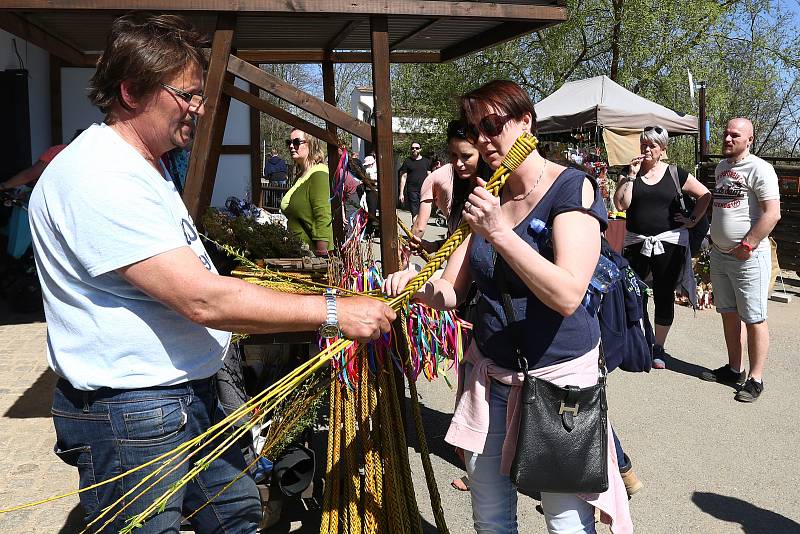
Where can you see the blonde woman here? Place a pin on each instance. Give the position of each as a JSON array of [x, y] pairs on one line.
[[307, 203], [654, 216]]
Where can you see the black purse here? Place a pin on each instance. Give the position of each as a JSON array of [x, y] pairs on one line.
[[562, 446]]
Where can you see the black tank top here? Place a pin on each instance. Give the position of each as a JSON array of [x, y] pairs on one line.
[[653, 207]]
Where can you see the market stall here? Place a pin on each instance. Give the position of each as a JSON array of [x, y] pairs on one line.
[[601, 104], [598, 111]]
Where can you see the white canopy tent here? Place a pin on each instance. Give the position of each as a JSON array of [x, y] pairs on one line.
[[600, 102]]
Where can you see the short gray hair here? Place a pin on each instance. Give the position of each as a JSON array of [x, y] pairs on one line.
[[655, 134]]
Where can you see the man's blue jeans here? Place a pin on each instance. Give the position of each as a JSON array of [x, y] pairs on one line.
[[107, 432]]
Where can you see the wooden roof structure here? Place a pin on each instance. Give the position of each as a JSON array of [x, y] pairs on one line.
[[251, 32]]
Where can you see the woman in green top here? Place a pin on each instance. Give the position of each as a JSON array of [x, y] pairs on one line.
[[307, 203]]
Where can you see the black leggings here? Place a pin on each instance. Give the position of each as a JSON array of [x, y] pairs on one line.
[[666, 269]]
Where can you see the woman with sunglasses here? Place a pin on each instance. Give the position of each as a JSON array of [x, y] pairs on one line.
[[657, 239], [307, 203], [546, 275], [449, 186]]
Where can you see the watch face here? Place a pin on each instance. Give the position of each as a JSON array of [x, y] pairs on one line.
[[329, 330]]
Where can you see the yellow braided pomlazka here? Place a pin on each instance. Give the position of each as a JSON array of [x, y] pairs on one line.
[[521, 149]]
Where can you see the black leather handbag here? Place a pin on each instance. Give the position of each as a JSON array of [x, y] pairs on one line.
[[562, 446]]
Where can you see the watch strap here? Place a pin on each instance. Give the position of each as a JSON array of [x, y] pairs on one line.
[[330, 328]]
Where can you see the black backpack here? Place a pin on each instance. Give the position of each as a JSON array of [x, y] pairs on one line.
[[625, 327]]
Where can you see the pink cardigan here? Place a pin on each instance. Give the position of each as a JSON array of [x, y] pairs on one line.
[[470, 422]]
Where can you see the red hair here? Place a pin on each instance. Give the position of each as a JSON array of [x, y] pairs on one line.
[[504, 96]]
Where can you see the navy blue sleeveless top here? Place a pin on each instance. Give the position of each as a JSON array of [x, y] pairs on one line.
[[546, 336]]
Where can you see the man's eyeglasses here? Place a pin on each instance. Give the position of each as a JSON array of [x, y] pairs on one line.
[[659, 130], [491, 126], [296, 142], [194, 100], [416, 148]]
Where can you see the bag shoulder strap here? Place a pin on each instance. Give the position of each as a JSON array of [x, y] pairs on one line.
[[511, 317], [673, 171]]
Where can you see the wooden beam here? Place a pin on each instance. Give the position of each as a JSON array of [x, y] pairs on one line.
[[329, 92], [274, 85], [56, 122], [234, 150], [22, 28], [204, 159], [343, 34], [390, 254], [387, 181], [415, 8], [256, 170], [318, 56], [266, 57], [397, 43], [500, 34], [277, 112]]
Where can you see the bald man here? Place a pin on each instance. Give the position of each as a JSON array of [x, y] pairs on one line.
[[746, 209]]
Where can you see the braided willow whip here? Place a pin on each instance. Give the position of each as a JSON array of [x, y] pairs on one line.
[[433, 490], [522, 148], [422, 253]]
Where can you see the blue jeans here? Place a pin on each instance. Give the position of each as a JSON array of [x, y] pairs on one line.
[[494, 496], [107, 432], [621, 461]]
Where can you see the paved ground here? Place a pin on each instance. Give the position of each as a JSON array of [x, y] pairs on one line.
[[709, 464]]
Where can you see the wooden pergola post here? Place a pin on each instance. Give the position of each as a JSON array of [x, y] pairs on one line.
[[329, 95], [387, 183], [255, 151], [382, 140], [204, 159]]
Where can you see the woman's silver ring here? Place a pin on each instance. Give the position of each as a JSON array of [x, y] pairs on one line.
[[468, 208]]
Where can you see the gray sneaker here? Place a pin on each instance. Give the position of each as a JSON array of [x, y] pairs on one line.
[[750, 391], [724, 375]]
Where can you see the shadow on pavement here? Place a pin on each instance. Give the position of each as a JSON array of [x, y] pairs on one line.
[[690, 369], [754, 520], [436, 424], [74, 522], [7, 316], [427, 528], [36, 400]]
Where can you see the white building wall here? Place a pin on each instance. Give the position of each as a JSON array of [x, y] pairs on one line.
[[233, 173], [37, 62], [77, 113]]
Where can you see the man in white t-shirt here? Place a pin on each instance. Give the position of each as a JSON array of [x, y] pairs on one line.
[[138, 320], [746, 209]]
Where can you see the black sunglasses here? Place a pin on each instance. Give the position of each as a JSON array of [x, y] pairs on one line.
[[296, 142], [416, 148], [659, 130], [194, 100], [491, 126]]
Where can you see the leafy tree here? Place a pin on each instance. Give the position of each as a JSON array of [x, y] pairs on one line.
[[745, 49]]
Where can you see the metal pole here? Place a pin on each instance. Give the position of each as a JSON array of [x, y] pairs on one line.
[[703, 123]]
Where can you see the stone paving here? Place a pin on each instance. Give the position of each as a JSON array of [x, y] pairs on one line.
[[29, 469]]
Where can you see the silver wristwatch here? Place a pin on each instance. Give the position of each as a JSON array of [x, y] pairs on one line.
[[330, 328]]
